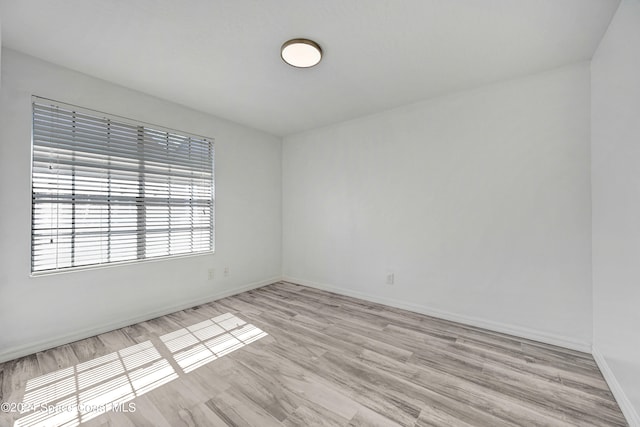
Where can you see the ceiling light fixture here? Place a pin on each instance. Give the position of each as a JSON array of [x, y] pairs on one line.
[[301, 53]]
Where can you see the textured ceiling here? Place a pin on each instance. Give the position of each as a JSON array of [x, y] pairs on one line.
[[222, 56]]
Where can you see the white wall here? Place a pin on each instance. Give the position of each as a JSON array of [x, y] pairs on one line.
[[45, 311], [0, 50], [479, 202], [615, 147]]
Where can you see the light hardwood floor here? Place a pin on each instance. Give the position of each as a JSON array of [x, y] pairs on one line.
[[291, 355]]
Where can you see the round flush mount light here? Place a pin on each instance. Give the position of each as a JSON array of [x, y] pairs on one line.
[[301, 53]]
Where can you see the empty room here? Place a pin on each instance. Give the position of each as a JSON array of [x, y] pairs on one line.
[[320, 213]]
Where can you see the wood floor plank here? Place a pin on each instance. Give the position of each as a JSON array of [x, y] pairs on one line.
[[201, 415], [314, 416], [290, 355], [234, 409]]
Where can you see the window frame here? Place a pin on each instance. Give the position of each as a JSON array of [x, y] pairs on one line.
[[132, 122]]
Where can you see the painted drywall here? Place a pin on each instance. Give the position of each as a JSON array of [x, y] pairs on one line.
[[615, 147], [48, 310], [0, 50], [477, 202]]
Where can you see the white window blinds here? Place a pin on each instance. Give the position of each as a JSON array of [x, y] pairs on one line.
[[105, 189]]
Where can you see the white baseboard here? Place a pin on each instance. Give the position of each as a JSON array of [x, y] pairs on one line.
[[20, 351], [504, 328], [633, 418]]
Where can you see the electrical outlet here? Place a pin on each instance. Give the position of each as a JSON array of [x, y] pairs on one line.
[[226, 272], [390, 278], [211, 274]]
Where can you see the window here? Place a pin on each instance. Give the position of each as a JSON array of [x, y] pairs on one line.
[[106, 189]]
